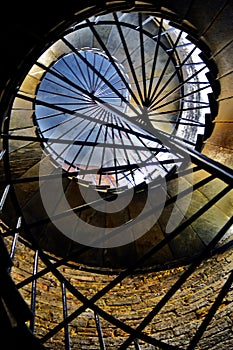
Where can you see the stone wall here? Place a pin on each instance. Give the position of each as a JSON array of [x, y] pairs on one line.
[[130, 301]]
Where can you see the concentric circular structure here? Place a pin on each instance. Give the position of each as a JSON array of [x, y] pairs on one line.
[[105, 181], [108, 99], [109, 80]]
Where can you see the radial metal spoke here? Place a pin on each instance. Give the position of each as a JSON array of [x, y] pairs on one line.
[[142, 58], [127, 157], [89, 74], [180, 110], [154, 155], [56, 73], [172, 76], [181, 97], [50, 144], [182, 120], [80, 101], [95, 141], [86, 85], [103, 153], [100, 82], [95, 98], [49, 116], [155, 60], [155, 103], [112, 136], [128, 56], [165, 68], [68, 120], [72, 163], [95, 33], [81, 71]]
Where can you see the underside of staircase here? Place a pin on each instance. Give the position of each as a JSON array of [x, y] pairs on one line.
[[116, 176]]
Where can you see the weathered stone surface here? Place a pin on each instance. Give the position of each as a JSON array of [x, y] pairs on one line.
[[131, 300]]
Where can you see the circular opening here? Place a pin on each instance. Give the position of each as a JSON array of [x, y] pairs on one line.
[[104, 101], [108, 86]]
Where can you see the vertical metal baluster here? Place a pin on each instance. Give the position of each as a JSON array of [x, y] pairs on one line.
[[2, 154], [137, 346], [65, 315], [14, 242], [99, 330], [15, 239], [3, 199], [33, 297]]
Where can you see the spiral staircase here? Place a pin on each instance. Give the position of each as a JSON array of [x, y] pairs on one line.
[[110, 117]]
